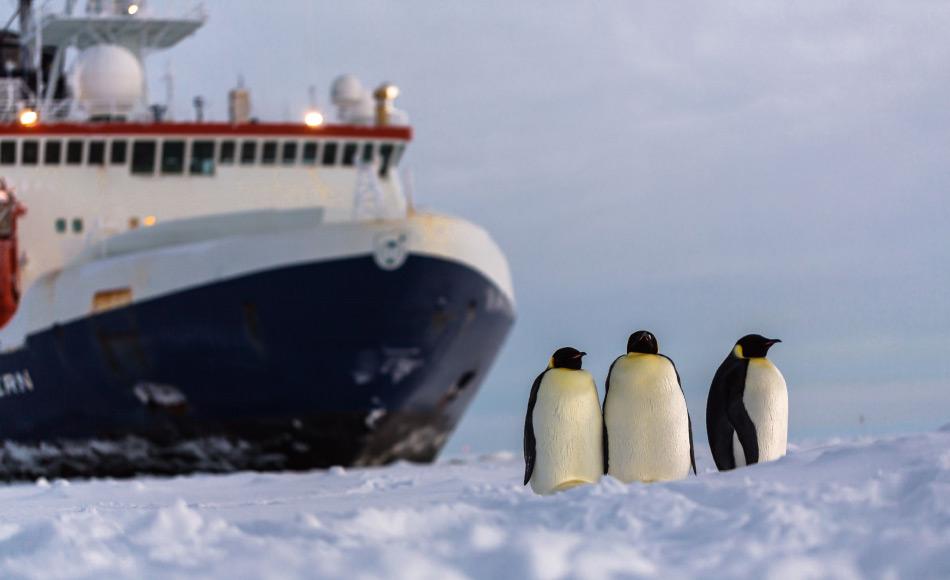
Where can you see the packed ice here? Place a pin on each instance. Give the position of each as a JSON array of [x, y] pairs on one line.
[[860, 508]]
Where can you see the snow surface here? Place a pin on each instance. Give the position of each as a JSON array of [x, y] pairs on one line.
[[846, 509]]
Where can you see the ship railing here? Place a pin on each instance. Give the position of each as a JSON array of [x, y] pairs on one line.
[[370, 202], [71, 110], [56, 110], [11, 97], [164, 9]]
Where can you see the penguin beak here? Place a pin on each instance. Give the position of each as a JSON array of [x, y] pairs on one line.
[[772, 341], [580, 354]]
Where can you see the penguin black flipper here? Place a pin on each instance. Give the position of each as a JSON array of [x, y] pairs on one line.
[[609, 372], [727, 386], [745, 430], [529, 441], [689, 420], [604, 411]]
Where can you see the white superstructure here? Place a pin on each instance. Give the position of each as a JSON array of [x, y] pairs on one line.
[[83, 184], [98, 168]]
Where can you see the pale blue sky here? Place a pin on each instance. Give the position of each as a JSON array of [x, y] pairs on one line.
[[701, 170]]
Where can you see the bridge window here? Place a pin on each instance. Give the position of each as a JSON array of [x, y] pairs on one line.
[[31, 152], [226, 155], [385, 155], [143, 157], [97, 153], [7, 152], [289, 154], [53, 151], [60, 225], [310, 152], [117, 155], [349, 153], [202, 158], [367, 152], [248, 152], [269, 153], [74, 152], [77, 225], [173, 157], [329, 153]]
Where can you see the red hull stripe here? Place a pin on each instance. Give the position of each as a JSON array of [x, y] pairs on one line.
[[209, 129]]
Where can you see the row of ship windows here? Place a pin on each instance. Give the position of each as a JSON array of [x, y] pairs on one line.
[[203, 155], [60, 225]]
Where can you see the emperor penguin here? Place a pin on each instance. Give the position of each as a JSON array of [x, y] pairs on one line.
[[563, 428], [648, 434], [747, 409]]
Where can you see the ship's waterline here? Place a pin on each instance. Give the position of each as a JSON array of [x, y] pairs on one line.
[[337, 362]]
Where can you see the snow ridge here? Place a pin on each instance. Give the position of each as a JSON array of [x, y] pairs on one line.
[[856, 509]]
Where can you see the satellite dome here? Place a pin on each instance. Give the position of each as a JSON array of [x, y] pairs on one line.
[[363, 112], [109, 80], [347, 90]]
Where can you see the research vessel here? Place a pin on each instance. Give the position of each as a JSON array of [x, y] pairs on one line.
[[200, 294]]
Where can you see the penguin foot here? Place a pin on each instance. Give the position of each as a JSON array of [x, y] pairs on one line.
[[569, 484]]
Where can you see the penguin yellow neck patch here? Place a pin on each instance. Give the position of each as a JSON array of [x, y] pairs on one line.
[[738, 351], [551, 363]]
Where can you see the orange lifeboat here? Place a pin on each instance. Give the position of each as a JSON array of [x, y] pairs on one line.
[[10, 212]]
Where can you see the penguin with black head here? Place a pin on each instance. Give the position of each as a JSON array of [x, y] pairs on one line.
[[747, 408], [563, 428], [648, 433]]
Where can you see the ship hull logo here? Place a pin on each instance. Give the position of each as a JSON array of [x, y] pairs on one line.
[[390, 250]]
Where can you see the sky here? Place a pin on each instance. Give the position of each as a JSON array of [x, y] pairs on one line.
[[701, 170]]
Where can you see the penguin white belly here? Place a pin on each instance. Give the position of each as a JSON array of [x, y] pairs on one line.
[[766, 400], [568, 432], [647, 421]]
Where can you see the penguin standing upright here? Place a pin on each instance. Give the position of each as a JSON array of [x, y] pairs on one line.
[[563, 428], [648, 432], [747, 409]]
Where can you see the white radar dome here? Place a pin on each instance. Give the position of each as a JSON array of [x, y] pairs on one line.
[[109, 80], [354, 104], [346, 90]]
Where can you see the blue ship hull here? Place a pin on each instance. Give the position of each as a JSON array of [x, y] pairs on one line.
[[320, 364]]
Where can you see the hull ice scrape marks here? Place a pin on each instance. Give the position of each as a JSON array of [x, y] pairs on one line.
[[399, 363], [376, 414], [159, 395], [367, 362], [389, 250], [15, 383], [393, 363]]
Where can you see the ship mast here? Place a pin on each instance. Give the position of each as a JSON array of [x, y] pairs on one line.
[[45, 38], [25, 12]]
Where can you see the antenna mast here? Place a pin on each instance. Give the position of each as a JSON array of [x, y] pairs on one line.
[[26, 26]]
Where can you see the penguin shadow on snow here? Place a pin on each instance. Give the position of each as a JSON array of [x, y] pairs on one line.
[[643, 430]]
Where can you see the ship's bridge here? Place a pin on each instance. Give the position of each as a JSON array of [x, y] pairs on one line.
[[199, 149]]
